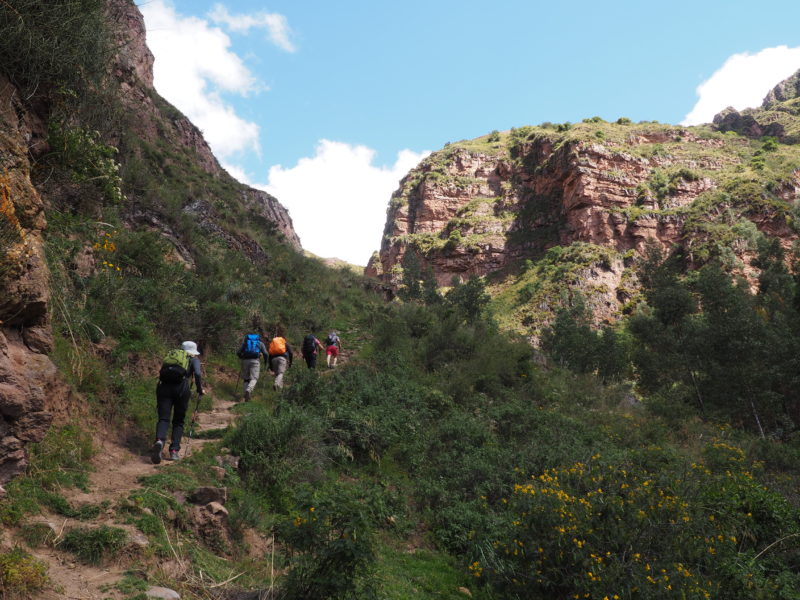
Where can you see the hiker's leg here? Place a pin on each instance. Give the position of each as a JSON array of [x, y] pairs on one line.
[[279, 366], [179, 415], [335, 354], [164, 407], [251, 368], [328, 353], [255, 371]]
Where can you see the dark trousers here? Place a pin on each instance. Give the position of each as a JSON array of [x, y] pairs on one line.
[[311, 360], [172, 399]]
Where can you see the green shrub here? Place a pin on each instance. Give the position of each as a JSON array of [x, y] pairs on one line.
[[60, 460], [276, 450], [37, 534], [331, 537], [21, 574], [92, 546]]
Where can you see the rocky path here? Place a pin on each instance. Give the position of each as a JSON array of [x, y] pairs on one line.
[[115, 476]]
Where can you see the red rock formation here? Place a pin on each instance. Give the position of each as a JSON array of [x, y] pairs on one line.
[[26, 373], [467, 211]]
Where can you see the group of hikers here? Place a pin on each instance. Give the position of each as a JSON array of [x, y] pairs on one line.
[[181, 367]]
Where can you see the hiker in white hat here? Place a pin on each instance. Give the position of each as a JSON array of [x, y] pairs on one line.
[[172, 396]]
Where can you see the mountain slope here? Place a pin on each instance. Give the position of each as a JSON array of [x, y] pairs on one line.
[[107, 154]]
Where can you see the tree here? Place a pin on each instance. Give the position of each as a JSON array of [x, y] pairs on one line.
[[570, 340], [470, 299]]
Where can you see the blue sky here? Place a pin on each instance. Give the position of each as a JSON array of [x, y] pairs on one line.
[[328, 104]]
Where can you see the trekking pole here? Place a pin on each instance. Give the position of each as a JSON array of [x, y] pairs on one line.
[[191, 425], [236, 389]]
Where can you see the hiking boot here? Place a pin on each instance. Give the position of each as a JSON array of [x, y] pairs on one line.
[[173, 455], [155, 452], [247, 396]]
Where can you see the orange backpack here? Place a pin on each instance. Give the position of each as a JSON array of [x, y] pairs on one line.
[[277, 346]]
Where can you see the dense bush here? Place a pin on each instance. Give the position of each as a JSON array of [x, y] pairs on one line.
[[650, 527], [330, 536], [20, 574], [702, 341]]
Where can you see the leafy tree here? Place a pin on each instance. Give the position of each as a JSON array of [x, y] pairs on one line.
[[570, 340], [469, 299], [412, 276]]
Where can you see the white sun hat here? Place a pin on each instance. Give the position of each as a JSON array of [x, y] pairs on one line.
[[190, 348]]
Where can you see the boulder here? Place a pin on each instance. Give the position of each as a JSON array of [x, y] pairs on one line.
[[216, 508], [205, 495], [162, 592]]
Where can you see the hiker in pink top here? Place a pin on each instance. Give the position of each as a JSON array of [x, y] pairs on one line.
[[333, 344]]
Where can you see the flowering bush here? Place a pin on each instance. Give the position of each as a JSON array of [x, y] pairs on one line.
[[105, 248], [331, 543], [604, 530], [20, 573]]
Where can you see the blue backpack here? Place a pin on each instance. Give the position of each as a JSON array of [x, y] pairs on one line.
[[251, 348]]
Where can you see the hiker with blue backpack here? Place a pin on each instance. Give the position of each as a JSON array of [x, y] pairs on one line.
[[251, 352], [173, 392]]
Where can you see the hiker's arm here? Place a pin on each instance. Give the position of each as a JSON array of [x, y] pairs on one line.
[[195, 369], [321, 347], [264, 353]]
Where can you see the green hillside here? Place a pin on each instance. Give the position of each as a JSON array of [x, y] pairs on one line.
[[445, 458]]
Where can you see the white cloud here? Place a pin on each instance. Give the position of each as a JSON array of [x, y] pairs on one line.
[[237, 172], [193, 66], [338, 198], [743, 81], [276, 25]]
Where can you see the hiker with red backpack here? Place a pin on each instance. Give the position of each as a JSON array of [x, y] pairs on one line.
[[280, 357], [333, 344], [251, 352], [172, 396], [309, 349]]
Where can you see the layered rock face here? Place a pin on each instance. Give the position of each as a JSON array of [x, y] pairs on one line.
[[504, 209], [606, 191], [484, 206], [26, 374]]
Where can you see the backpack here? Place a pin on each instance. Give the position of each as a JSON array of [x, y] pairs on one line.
[[332, 339], [277, 346], [175, 367], [251, 347], [309, 344]]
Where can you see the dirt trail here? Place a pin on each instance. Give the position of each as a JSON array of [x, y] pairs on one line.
[[115, 476]]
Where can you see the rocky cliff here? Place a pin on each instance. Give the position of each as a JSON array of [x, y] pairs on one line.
[[606, 190], [25, 339], [156, 121], [152, 136]]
